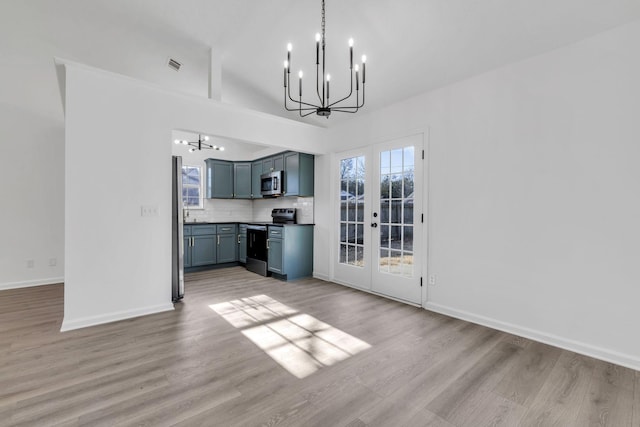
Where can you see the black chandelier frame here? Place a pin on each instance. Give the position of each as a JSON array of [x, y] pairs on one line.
[[199, 144], [324, 108]]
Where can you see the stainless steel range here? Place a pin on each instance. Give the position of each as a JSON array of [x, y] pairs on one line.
[[257, 250]]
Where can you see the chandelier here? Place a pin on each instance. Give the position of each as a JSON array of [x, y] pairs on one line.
[[199, 144], [324, 107]]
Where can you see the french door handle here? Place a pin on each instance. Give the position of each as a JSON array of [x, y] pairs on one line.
[[374, 224], [238, 239], [218, 239], [267, 243]]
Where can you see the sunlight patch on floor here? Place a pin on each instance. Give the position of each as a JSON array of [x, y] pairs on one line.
[[298, 342]]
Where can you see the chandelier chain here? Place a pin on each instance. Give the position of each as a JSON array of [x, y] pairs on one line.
[[323, 23]]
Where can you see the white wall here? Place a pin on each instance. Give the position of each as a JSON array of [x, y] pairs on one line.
[[534, 217], [32, 121], [117, 263]]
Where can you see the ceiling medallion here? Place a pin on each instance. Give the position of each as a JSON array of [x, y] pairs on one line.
[[324, 108]]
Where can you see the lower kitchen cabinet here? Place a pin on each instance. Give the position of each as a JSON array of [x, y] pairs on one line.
[[227, 243], [275, 256], [210, 244], [187, 251], [203, 250], [290, 253], [242, 243], [199, 245]]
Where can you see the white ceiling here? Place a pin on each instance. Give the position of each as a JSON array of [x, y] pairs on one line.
[[412, 45]]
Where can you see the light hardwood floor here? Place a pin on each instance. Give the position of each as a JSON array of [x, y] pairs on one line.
[[193, 367]]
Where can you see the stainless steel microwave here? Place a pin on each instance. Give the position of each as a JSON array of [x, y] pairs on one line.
[[271, 183]]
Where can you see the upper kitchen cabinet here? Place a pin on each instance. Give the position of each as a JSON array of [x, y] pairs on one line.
[[256, 171], [299, 171], [273, 163], [219, 179], [242, 181]]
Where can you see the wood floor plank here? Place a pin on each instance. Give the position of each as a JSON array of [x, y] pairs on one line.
[[459, 401], [194, 367], [609, 393], [560, 398], [636, 401], [529, 373], [393, 412]]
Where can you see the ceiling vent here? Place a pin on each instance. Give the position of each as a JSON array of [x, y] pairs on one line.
[[173, 64]]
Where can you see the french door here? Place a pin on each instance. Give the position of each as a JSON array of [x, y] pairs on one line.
[[379, 218]]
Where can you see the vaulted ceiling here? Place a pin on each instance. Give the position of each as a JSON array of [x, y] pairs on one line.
[[412, 45]]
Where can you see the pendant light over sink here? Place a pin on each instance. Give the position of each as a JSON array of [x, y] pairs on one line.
[[198, 145], [324, 107]]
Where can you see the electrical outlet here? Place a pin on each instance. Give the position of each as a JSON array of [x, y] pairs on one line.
[[31, 263], [432, 279], [53, 262]]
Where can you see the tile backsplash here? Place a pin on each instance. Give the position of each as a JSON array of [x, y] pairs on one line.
[[259, 210], [303, 205]]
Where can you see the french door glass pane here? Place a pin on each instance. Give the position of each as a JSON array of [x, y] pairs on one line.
[[352, 190], [396, 211]]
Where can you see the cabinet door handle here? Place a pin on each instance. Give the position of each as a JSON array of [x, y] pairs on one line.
[[218, 239], [267, 243], [238, 239]]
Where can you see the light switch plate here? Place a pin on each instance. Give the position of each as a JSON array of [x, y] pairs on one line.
[[148, 211]]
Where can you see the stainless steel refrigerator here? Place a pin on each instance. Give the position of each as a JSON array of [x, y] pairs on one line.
[[177, 240]]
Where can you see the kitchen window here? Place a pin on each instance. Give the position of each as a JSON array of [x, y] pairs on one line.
[[192, 187]]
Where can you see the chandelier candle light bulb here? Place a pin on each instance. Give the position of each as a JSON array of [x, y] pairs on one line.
[[324, 107], [351, 53], [364, 60], [300, 82]]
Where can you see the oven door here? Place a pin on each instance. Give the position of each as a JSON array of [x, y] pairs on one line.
[[257, 243]]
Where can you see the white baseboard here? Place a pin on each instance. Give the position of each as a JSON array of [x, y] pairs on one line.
[[30, 283], [607, 355], [369, 291], [83, 322], [321, 276]]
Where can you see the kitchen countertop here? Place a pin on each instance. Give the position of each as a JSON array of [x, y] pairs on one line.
[[242, 222], [209, 223]]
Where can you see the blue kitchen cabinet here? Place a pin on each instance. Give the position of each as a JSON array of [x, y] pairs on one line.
[[242, 243], [199, 245], [203, 245], [298, 174], [186, 259], [203, 250], [256, 171], [290, 253], [242, 180], [273, 163], [275, 256], [227, 244], [219, 179]]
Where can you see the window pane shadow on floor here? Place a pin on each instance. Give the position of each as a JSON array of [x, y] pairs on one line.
[[298, 342]]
